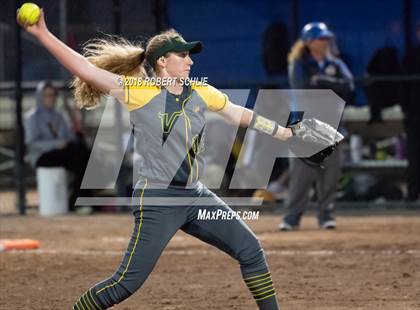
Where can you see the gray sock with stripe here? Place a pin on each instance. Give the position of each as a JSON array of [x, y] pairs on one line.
[[262, 289]]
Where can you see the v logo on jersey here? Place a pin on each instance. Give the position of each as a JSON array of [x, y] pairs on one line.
[[168, 122]]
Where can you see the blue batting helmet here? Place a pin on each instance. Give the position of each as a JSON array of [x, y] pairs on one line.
[[315, 30]]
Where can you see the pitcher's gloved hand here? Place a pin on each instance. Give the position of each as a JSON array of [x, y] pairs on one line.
[[314, 137]]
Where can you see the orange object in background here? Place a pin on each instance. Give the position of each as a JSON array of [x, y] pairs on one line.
[[18, 244], [267, 196]]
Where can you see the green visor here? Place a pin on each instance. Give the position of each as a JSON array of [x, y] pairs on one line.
[[176, 44]]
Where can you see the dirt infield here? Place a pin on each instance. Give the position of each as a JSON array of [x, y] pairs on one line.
[[370, 262]]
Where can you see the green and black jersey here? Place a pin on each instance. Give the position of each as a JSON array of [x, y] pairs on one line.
[[169, 130]]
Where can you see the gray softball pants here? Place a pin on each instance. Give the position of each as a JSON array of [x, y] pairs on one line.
[[154, 226], [302, 177]]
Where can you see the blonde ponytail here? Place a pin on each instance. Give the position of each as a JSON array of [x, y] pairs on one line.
[[114, 54], [119, 56]]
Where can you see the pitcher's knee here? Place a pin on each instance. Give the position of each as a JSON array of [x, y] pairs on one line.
[[252, 257], [104, 295], [113, 294]]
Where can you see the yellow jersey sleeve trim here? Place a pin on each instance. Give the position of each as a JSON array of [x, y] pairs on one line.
[[224, 104], [213, 98], [138, 95]]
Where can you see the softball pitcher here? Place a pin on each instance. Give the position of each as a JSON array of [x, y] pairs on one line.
[[171, 119]]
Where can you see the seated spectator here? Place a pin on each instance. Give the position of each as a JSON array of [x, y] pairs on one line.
[[51, 143], [382, 94]]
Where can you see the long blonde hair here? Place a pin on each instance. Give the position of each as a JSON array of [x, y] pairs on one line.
[[298, 50], [119, 56]]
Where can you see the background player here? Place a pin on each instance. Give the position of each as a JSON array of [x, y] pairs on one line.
[[313, 66]]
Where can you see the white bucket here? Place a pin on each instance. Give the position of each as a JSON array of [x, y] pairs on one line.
[[52, 190]]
